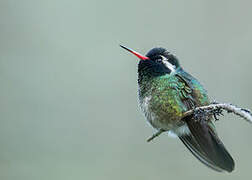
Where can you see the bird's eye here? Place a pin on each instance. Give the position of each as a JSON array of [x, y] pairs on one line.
[[160, 58]]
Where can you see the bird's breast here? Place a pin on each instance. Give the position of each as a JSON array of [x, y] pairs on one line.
[[162, 109]]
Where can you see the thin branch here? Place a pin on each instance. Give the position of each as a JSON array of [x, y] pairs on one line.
[[230, 108], [155, 135], [212, 109]]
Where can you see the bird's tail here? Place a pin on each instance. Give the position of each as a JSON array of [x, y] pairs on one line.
[[203, 142]]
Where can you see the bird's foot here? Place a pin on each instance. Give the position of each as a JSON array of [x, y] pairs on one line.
[[217, 112], [200, 115], [203, 114]]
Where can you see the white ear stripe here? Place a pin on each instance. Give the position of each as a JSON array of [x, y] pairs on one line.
[[168, 64]]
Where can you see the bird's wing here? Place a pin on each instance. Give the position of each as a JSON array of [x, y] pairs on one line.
[[202, 139]]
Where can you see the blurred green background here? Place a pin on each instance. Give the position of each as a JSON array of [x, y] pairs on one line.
[[68, 93]]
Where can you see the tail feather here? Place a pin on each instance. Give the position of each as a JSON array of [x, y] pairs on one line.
[[205, 145], [196, 151]]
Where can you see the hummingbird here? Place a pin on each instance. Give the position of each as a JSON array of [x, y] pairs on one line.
[[166, 91]]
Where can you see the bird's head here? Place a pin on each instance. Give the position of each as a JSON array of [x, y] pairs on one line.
[[157, 62]]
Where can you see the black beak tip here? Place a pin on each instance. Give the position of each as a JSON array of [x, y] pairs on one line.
[[123, 47]]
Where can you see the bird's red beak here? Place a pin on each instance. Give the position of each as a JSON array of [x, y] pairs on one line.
[[135, 53]]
